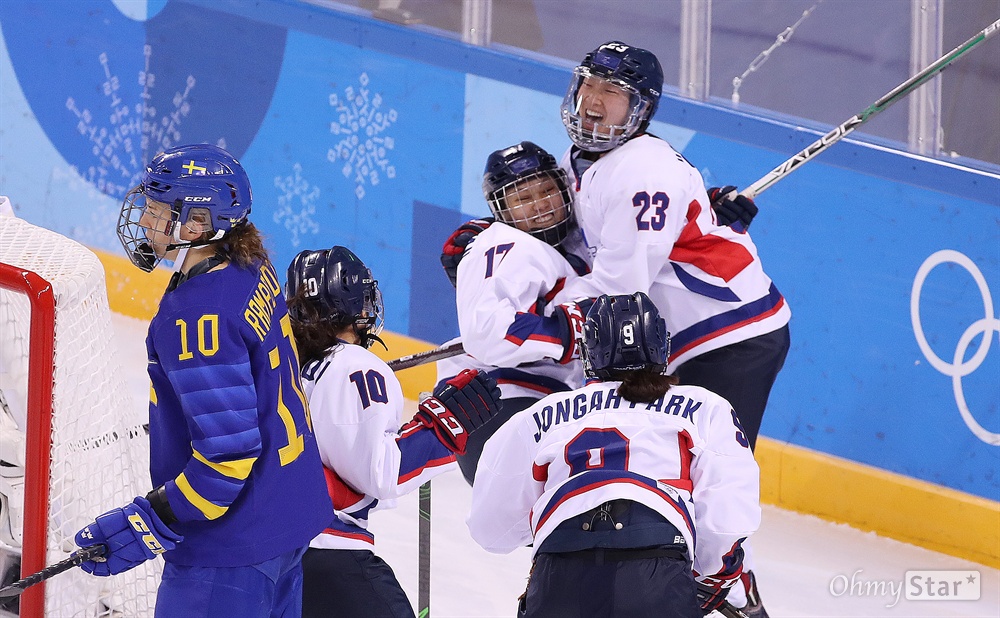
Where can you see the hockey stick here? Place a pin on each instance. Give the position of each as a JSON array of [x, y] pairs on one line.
[[430, 356], [424, 552], [850, 125], [75, 559]]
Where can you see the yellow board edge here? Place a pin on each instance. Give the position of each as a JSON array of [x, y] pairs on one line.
[[136, 294], [792, 477], [871, 499]]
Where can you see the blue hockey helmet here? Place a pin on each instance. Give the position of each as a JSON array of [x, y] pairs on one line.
[[179, 184], [338, 286], [526, 188], [624, 333], [634, 70]]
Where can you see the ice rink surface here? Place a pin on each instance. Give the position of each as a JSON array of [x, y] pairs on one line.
[[805, 566]]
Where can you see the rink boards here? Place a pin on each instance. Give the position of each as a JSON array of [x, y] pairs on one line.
[[373, 136]]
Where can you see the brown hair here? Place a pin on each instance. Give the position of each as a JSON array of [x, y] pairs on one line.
[[244, 246], [313, 335], [644, 385]]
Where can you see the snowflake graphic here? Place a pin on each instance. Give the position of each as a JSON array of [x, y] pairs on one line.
[[362, 124], [131, 131], [297, 206]]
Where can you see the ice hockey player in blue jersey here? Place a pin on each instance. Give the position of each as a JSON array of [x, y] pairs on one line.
[[357, 407], [238, 483], [613, 483]]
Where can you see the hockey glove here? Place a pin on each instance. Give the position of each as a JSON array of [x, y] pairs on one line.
[[454, 248], [571, 317], [460, 406], [133, 534], [712, 589], [732, 209]]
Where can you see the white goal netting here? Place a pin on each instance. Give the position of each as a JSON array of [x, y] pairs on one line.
[[99, 448]]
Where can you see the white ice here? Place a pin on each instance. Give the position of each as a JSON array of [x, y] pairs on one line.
[[805, 566]]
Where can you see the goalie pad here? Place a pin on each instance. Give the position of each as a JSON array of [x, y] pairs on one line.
[[11, 510], [12, 444]]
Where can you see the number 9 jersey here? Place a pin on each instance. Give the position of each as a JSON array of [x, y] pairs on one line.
[[229, 429], [684, 456]]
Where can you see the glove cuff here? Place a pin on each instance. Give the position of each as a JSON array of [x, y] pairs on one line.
[[437, 417], [161, 506], [571, 320], [159, 527]]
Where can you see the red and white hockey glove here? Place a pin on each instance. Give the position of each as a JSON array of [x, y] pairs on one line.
[[460, 406], [571, 317], [712, 589], [712, 593], [454, 248]]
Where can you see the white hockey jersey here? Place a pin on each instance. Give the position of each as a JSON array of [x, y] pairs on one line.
[[505, 282], [356, 404], [684, 456], [649, 227]]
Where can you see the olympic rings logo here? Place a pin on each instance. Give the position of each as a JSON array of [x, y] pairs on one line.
[[959, 368]]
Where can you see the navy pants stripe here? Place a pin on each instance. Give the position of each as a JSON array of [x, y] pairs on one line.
[[568, 587], [350, 584]]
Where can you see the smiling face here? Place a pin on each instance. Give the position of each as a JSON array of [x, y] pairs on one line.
[[601, 102], [601, 112], [535, 204]]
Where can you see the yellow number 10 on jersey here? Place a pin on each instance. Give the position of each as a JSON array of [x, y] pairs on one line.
[[208, 345]]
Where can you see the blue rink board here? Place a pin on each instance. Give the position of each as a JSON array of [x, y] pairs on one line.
[[372, 135]]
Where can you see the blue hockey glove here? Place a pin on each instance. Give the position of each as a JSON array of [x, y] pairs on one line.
[[133, 534], [454, 248], [460, 406], [736, 211]]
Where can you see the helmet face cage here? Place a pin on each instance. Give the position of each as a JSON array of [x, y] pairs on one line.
[[602, 136], [340, 288], [634, 70], [188, 179], [624, 333], [538, 203], [141, 225], [526, 188]]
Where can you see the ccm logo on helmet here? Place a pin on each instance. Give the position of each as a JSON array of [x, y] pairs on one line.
[[197, 198]]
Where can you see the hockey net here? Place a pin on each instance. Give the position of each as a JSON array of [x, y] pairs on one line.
[[97, 445]]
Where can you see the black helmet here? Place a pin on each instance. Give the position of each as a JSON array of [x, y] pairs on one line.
[[338, 285], [624, 333], [634, 70], [519, 178]]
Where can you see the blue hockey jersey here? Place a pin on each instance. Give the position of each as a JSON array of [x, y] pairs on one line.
[[229, 427]]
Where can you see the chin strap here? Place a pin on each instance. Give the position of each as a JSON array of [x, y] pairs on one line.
[[200, 268], [368, 340]]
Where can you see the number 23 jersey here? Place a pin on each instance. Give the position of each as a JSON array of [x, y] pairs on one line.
[[649, 227]]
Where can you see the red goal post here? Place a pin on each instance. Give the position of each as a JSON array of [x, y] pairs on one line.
[[86, 449], [39, 423]]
